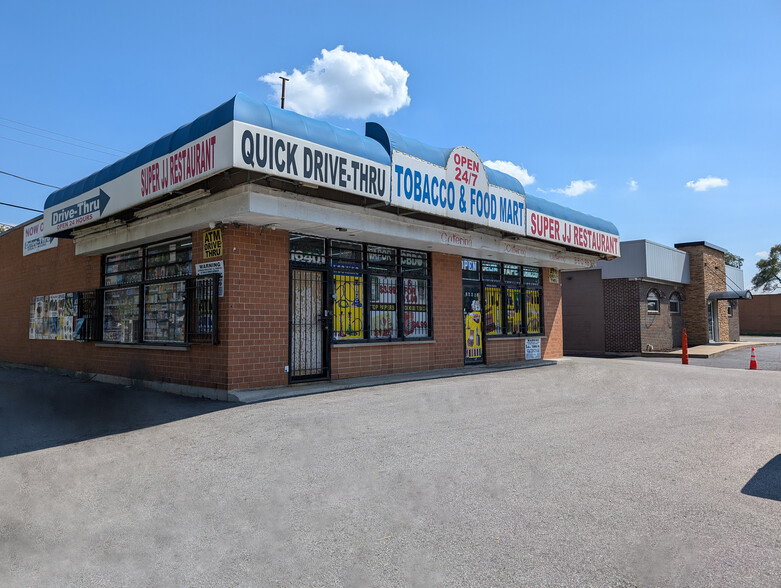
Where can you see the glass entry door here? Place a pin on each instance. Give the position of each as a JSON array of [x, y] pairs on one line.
[[713, 321], [308, 325]]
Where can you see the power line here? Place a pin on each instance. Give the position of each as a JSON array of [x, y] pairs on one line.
[[55, 150], [22, 207], [58, 140], [61, 135], [28, 180]]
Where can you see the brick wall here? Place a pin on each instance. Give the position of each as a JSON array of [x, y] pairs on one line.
[[734, 322], [59, 270], [662, 331], [761, 315], [504, 350], [622, 330]]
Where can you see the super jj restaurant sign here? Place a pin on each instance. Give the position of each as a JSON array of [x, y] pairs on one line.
[[190, 163]]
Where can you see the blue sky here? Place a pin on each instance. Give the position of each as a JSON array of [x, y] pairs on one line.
[[589, 95]]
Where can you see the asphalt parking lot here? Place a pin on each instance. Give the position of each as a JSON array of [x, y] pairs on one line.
[[591, 472]]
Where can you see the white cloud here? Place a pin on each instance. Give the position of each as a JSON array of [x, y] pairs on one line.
[[633, 185], [704, 184], [516, 171], [761, 254], [576, 188], [344, 83]]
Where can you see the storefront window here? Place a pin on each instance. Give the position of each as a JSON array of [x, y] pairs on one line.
[[155, 310], [124, 268], [512, 296], [121, 315], [493, 298], [378, 293], [532, 281], [164, 313], [533, 314], [514, 299], [383, 292], [347, 266], [414, 269]]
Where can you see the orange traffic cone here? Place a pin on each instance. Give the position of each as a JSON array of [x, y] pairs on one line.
[[753, 364]]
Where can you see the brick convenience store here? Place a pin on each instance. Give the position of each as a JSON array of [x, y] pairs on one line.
[[256, 247]]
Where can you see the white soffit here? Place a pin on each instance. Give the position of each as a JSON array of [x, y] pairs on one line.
[[261, 206]]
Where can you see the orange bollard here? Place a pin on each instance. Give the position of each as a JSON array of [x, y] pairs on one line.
[[684, 349], [753, 364]]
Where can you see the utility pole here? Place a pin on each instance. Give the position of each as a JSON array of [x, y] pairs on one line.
[[283, 90]]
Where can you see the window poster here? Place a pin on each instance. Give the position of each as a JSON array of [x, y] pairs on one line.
[[382, 307], [415, 308], [533, 316], [473, 318], [493, 310], [514, 311], [51, 316], [348, 305]]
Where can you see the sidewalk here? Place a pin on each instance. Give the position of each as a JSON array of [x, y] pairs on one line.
[[713, 349], [303, 389]]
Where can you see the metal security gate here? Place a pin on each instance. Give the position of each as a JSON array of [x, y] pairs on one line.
[[308, 325]]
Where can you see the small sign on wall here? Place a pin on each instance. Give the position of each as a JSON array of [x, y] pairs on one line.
[[212, 267], [212, 243], [553, 275], [533, 349], [34, 241]]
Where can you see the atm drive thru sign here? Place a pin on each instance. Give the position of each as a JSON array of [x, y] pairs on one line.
[[212, 243]]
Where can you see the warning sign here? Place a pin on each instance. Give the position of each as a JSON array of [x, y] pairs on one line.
[[212, 244], [533, 349]]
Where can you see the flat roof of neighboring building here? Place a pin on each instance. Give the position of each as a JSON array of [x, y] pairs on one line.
[[701, 243]]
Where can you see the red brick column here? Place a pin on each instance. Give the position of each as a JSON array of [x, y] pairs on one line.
[[553, 344], [255, 321]]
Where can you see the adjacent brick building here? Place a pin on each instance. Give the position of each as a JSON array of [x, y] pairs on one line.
[[761, 315], [255, 247], [644, 300]]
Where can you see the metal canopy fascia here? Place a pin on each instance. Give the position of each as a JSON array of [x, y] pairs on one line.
[[731, 295]]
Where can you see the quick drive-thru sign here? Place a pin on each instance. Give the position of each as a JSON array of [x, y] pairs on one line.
[[460, 191], [277, 154]]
